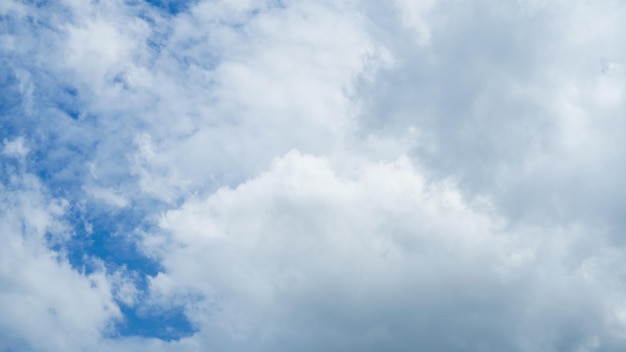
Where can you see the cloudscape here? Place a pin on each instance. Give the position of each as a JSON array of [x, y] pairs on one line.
[[293, 175]]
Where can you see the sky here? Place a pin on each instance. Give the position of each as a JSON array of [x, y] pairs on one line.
[[292, 175]]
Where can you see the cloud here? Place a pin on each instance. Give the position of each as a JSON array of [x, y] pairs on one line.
[[46, 304], [313, 257], [15, 148], [290, 175], [523, 113]]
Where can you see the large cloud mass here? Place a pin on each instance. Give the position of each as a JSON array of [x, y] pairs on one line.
[[344, 175]]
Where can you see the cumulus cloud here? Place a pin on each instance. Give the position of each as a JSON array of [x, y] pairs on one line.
[[332, 175], [306, 256], [524, 113]]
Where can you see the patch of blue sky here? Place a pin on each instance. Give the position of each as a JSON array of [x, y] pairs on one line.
[[110, 236], [63, 136], [38, 3], [171, 6], [10, 98], [9, 168], [107, 236], [165, 324]]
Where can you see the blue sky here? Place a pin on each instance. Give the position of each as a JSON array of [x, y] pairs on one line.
[[347, 175]]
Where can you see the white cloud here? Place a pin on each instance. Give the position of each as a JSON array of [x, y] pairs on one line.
[[378, 258], [15, 148], [413, 15], [108, 196], [46, 305], [350, 175]]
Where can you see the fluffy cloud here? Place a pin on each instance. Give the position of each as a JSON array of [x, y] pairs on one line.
[[529, 113], [312, 256], [313, 176]]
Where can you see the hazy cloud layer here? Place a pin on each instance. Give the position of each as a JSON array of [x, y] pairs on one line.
[[332, 175]]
